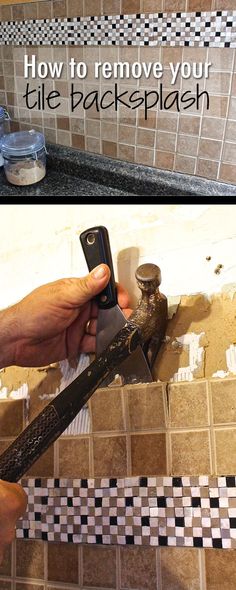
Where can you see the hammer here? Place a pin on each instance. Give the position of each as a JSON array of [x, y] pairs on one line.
[[147, 321]]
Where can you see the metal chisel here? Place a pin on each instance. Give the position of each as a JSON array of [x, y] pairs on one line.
[[96, 247]]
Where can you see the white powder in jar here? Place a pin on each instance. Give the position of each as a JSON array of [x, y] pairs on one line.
[[25, 172]]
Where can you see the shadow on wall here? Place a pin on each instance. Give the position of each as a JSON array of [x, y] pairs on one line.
[[127, 263]]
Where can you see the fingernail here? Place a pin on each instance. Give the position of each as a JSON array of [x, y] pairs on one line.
[[99, 272]]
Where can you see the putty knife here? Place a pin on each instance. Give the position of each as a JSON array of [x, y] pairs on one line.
[[96, 247]]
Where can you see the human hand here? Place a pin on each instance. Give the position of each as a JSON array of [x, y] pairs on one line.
[[13, 502], [49, 324]]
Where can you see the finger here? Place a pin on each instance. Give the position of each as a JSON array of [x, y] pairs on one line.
[[94, 309], [88, 344], [127, 312], [91, 327], [122, 296], [86, 288]]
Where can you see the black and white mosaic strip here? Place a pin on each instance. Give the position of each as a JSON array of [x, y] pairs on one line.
[[172, 511], [196, 29]]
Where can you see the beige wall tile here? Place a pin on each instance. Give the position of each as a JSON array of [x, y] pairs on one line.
[[187, 145], [93, 145], [59, 8], [18, 12], [229, 152], [209, 148], [217, 106], [30, 559], [110, 456], [5, 566], [220, 569], [225, 451], [30, 10], [184, 164], [180, 568], [174, 5], [190, 453], [74, 457], [196, 5], [230, 132], [164, 160], [149, 122], [63, 562], [146, 138], [99, 567], [44, 466], [232, 109], [220, 58], [126, 152], [11, 417], [106, 410], [127, 134], [207, 168], [188, 405], [64, 137], [228, 173], [167, 123], [109, 131], [45, 9], [145, 406], [74, 8], [111, 7], [223, 4], [92, 7], [166, 141], [223, 395], [109, 148], [78, 141], [218, 83], [138, 568], [151, 5], [130, 6], [144, 156], [189, 124], [148, 454], [212, 128]]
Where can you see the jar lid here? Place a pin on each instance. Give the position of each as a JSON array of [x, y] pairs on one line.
[[22, 143]]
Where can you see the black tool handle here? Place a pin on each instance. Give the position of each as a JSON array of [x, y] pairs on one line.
[[59, 413], [96, 247]]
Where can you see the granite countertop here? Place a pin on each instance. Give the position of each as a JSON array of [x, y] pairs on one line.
[[71, 172]]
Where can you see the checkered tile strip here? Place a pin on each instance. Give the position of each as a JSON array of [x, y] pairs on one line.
[[198, 29], [178, 511]]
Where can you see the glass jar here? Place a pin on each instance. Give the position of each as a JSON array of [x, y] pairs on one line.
[[24, 155], [4, 116]]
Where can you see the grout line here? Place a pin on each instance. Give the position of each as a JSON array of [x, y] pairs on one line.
[[91, 455], [201, 121], [202, 571], [226, 118], [80, 565], [212, 434], [158, 568], [118, 568]]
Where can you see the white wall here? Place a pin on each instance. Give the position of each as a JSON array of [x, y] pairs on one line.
[[40, 243]]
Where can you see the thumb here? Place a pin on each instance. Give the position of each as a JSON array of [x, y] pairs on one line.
[[93, 283]]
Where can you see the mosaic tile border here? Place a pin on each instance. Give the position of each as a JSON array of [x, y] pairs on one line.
[[158, 511], [193, 29]]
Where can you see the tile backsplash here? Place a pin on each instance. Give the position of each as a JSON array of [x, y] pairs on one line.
[[197, 141]]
